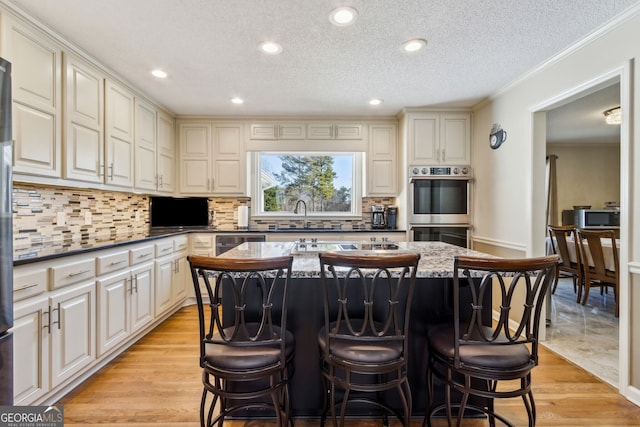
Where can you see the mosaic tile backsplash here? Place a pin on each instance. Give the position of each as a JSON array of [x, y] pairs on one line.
[[43, 214]]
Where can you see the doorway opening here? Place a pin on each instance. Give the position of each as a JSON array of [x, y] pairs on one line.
[[587, 156]]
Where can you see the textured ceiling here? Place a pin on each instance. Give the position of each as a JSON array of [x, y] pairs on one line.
[[209, 49]]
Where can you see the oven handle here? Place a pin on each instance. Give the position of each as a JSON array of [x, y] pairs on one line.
[[440, 178], [456, 225]]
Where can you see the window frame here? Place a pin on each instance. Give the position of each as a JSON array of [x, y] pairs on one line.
[[356, 190]]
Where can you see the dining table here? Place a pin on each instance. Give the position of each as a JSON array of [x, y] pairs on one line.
[[609, 260]]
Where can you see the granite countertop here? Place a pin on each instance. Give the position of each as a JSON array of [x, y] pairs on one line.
[[47, 250], [436, 258]]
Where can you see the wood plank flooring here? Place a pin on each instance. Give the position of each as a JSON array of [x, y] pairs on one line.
[[157, 382]]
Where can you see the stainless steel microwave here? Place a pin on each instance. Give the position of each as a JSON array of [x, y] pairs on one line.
[[594, 218]]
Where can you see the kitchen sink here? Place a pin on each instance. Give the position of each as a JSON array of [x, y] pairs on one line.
[[316, 247]]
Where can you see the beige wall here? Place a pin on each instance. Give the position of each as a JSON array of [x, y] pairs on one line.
[[509, 199], [587, 174]]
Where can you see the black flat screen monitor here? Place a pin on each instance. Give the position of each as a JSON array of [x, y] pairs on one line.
[[179, 212]]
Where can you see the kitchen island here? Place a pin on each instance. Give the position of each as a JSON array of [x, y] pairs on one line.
[[431, 305]]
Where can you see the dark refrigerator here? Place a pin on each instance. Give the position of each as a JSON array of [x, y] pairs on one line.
[[6, 240]]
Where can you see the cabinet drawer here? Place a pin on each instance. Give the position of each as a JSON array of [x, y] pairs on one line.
[[73, 272], [112, 262], [180, 243], [202, 242], [28, 282], [138, 255], [164, 248]]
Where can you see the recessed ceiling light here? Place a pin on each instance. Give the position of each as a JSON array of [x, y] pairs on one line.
[[271, 48], [414, 45], [375, 101], [343, 16], [237, 100], [159, 74]]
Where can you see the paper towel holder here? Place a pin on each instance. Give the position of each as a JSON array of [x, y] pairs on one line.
[[243, 217]]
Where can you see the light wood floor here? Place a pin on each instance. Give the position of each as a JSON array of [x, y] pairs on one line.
[[157, 382]]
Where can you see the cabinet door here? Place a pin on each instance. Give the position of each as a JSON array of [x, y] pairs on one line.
[[179, 282], [146, 146], [163, 297], [195, 158], [263, 131], [455, 138], [228, 159], [141, 313], [348, 131], [119, 120], [423, 134], [113, 313], [166, 157], [320, 131], [295, 131], [30, 350], [382, 177], [84, 128], [37, 108], [73, 340]]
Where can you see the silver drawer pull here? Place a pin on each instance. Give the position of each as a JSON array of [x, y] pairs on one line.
[[118, 262], [167, 249], [33, 285], [144, 255], [79, 273]]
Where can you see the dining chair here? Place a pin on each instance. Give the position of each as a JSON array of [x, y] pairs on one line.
[[561, 238], [596, 271], [483, 362], [246, 363], [364, 344]]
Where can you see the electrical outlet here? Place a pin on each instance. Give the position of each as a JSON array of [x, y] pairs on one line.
[[87, 218], [137, 215], [61, 218]]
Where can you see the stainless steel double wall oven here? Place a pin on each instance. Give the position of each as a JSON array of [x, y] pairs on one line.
[[439, 203]]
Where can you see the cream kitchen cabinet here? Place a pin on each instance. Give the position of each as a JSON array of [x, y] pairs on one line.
[[382, 160], [54, 338], [119, 132], [146, 150], [438, 138], [31, 349], [202, 244], [37, 99], [166, 157], [170, 271], [72, 325], [212, 158], [84, 121], [277, 131], [342, 131], [125, 297]]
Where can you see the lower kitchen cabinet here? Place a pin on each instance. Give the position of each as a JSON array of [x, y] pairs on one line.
[[72, 325], [125, 305], [31, 345], [73, 314]]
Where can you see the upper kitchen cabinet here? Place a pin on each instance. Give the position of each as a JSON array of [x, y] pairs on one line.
[[84, 128], [166, 157], [119, 126], [382, 160], [229, 159], [37, 99], [341, 131], [435, 138], [212, 158], [146, 146], [276, 131], [154, 149]]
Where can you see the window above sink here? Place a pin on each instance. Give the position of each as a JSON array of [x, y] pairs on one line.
[[307, 185]]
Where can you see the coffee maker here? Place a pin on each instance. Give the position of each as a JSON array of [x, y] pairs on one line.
[[377, 216]]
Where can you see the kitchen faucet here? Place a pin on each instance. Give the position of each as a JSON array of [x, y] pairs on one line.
[[295, 211]]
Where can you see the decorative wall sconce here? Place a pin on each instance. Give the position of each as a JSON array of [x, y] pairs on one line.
[[613, 116]]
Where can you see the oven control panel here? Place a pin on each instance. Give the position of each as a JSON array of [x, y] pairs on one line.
[[439, 171]]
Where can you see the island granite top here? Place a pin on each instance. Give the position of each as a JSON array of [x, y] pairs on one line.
[[436, 258]]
